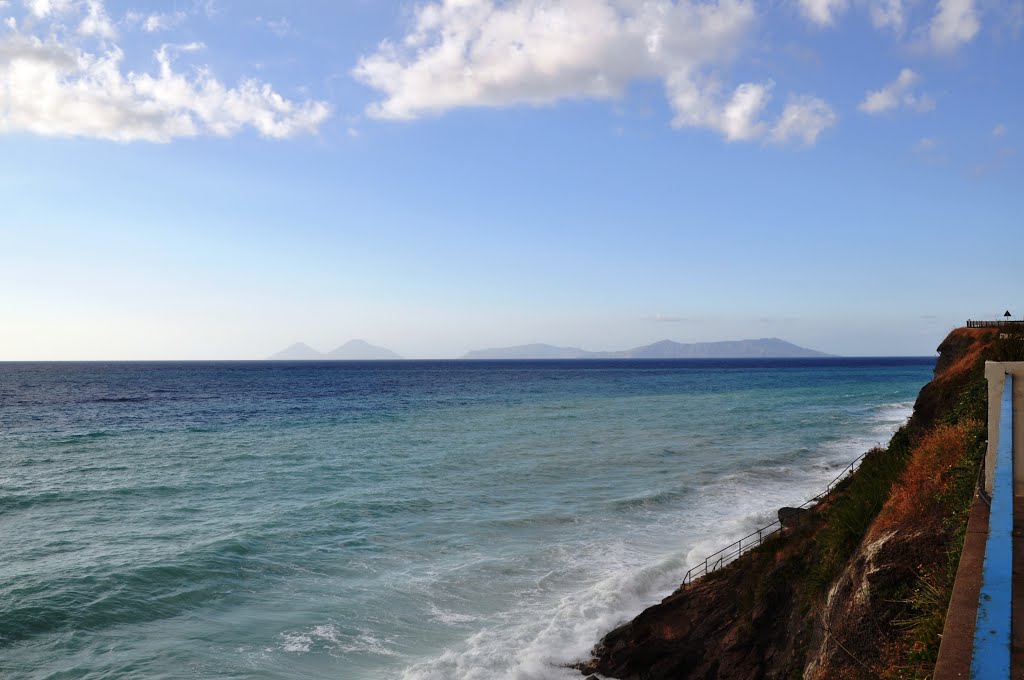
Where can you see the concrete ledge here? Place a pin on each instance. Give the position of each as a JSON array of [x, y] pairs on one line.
[[957, 644]]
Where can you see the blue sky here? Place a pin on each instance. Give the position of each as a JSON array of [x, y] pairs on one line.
[[219, 179]]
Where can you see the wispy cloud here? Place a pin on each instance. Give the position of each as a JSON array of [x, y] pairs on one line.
[[96, 22], [884, 14], [280, 27], [954, 24], [53, 82], [822, 12], [887, 14], [898, 95], [152, 23], [803, 118]]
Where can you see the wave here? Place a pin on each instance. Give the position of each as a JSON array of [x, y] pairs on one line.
[[657, 499], [45, 498], [73, 439], [539, 644], [533, 521], [134, 593], [536, 640]]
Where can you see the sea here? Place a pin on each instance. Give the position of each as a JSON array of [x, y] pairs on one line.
[[413, 520]]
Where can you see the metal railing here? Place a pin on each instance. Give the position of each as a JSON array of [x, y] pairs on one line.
[[995, 324], [991, 658], [716, 561]]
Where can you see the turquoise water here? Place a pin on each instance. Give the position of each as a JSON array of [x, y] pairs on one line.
[[413, 520]]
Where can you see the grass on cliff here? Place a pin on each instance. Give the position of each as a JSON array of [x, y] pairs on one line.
[[942, 481], [854, 507], [1009, 347]]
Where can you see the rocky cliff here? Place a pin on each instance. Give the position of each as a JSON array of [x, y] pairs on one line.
[[859, 587]]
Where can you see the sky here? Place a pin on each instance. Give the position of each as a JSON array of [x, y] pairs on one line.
[[217, 179]]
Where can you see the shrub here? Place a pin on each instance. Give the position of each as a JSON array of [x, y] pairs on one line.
[[857, 503], [920, 496]]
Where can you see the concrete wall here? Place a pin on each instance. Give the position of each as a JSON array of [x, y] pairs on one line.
[[995, 372]]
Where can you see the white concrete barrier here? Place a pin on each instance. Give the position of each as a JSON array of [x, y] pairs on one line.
[[995, 373]]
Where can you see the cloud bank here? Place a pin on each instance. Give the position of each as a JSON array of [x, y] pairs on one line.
[[485, 53], [65, 77]]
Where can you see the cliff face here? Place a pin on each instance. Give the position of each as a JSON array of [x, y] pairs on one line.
[[859, 587]]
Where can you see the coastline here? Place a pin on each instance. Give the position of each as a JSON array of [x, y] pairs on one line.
[[808, 602]]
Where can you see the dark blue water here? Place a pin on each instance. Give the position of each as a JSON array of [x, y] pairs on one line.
[[391, 520]]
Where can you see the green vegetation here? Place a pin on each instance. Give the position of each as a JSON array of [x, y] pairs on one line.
[[1009, 347], [856, 503], [925, 602], [972, 403]]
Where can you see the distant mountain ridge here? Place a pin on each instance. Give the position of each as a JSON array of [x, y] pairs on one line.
[[767, 348], [534, 351], [353, 350]]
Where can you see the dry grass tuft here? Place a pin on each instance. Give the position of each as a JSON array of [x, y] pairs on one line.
[[918, 496]]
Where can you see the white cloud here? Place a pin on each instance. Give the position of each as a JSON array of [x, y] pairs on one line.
[[822, 12], [43, 8], [804, 118], [163, 22], [481, 53], [485, 53], [208, 7], [887, 14], [157, 21], [700, 105], [282, 28], [96, 22], [54, 86], [955, 23], [39, 8], [897, 94], [999, 130], [741, 115], [926, 144]]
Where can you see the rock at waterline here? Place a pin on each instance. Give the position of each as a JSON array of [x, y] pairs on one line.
[[790, 517]]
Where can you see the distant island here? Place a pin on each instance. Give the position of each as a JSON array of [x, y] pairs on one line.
[[764, 348], [767, 348], [353, 350]]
